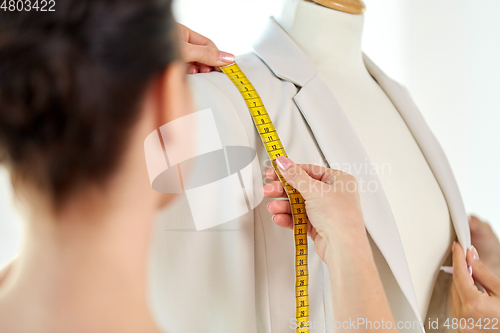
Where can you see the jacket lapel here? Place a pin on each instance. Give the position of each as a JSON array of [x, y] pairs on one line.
[[339, 144], [429, 146]]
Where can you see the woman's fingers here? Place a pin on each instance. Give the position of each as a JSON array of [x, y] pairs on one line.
[[461, 276], [204, 68], [195, 68], [482, 274], [283, 220], [279, 207], [286, 221], [456, 302], [273, 190], [199, 49], [207, 55], [297, 177], [318, 172], [192, 69], [271, 174]]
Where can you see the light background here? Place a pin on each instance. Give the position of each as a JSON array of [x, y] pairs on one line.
[[445, 52]]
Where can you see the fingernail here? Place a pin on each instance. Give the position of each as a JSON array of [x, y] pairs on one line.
[[267, 207], [469, 267], [262, 190], [473, 251], [283, 162], [226, 57], [272, 218]]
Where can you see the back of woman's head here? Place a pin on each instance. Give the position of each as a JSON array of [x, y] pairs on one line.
[[71, 81]]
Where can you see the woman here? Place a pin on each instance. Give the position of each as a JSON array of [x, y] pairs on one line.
[[80, 89]]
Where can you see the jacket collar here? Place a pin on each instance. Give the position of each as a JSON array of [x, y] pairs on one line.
[[273, 43]]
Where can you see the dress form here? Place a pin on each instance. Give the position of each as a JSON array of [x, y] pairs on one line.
[[346, 6], [332, 40]]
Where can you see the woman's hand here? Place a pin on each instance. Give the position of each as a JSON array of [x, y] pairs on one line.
[[200, 53], [475, 311], [331, 199], [336, 225], [486, 242]]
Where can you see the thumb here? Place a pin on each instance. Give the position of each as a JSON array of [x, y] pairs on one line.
[[296, 177], [207, 55], [482, 274]]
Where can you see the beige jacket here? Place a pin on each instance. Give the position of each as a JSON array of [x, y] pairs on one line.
[[239, 276]]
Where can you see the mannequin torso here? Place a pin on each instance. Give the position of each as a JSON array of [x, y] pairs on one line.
[[332, 39]]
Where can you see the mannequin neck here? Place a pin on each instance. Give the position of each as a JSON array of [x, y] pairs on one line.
[[331, 39], [347, 6]]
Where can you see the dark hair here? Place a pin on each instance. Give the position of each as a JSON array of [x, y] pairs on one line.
[[71, 82]]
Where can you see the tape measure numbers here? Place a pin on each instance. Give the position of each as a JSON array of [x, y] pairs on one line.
[[274, 148]]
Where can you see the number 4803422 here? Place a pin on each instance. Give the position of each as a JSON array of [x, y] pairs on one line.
[[28, 5]]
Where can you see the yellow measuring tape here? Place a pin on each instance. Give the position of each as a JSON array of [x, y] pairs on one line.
[[274, 148]]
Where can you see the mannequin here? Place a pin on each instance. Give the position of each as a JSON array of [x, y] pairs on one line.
[[418, 205], [347, 6]]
